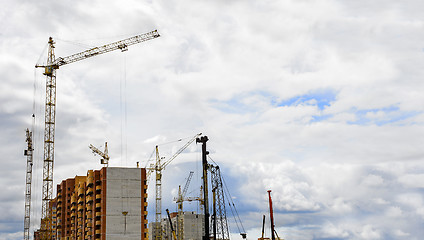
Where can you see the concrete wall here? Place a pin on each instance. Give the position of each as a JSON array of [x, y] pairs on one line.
[[124, 194]]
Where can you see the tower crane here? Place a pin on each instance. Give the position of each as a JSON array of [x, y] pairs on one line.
[[181, 194], [180, 200], [28, 153], [158, 167], [50, 112], [104, 155]]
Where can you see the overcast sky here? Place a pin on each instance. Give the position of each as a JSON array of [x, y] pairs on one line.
[[319, 101]]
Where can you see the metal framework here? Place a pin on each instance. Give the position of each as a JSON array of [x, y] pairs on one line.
[[104, 155], [50, 112], [158, 167], [49, 133], [180, 200], [122, 45], [220, 216], [28, 153], [203, 140]]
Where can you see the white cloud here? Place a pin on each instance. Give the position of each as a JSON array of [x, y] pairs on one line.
[[412, 180], [394, 212], [224, 68], [369, 232], [331, 231]]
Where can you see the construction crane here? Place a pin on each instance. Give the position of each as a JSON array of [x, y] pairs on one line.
[[28, 153], [220, 223], [271, 215], [104, 155], [50, 112], [180, 199], [181, 194], [158, 167], [170, 224]]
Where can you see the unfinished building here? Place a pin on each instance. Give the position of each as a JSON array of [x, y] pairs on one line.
[[110, 203]]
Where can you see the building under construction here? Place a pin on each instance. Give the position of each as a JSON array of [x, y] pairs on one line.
[[188, 225], [110, 203]]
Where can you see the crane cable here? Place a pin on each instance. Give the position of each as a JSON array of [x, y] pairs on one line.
[[37, 140], [123, 109]]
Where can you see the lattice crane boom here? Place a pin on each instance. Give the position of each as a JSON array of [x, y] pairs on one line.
[[50, 112], [122, 45], [180, 199], [104, 154], [158, 167]]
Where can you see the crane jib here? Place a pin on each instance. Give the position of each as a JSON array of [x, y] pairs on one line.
[[122, 45]]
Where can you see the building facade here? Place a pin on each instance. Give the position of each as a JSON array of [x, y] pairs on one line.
[[110, 203], [187, 226]]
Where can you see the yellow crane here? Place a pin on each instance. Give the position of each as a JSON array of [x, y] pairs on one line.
[[179, 200], [158, 167], [50, 68], [104, 154]]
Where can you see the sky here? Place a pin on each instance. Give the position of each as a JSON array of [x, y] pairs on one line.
[[319, 101]]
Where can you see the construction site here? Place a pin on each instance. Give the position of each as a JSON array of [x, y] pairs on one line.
[[112, 202]]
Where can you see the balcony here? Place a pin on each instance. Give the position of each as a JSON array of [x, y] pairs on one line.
[[89, 191]]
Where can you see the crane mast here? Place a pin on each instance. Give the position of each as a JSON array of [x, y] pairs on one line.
[[50, 111], [28, 153], [180, 200], [220, 216], [158, 167]]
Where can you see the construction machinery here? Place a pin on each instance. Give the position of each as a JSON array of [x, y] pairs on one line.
[[28, 153], [271, 215], [220, 224], [50, 69], [172, 227], [158, 167], [104, 154], [180, 200], [181, 194], [203, 140], [263, 228]]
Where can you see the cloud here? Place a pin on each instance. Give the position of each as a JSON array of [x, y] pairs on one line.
[[319, 101]]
